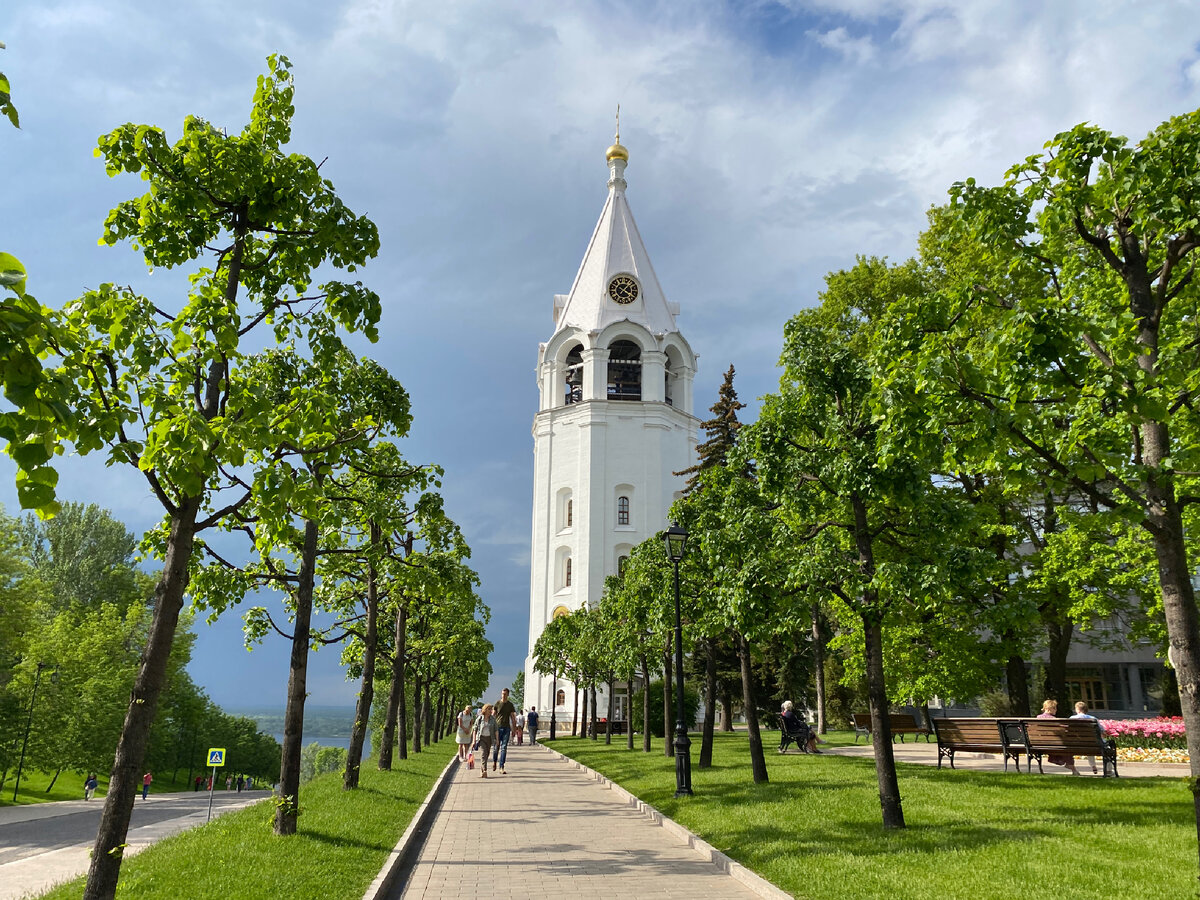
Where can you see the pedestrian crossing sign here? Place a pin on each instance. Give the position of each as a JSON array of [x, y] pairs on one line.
[[216, 756]]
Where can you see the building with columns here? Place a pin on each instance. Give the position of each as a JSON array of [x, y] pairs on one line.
[[614, 423]]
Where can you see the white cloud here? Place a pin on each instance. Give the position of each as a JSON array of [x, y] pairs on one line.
[[855, 49]]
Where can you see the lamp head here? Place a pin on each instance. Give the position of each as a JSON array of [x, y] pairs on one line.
[[675, 538]]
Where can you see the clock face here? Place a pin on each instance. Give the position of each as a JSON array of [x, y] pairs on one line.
[[623, 289]]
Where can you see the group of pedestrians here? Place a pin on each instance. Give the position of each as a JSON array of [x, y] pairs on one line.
[[489, 732], [1050, 711]]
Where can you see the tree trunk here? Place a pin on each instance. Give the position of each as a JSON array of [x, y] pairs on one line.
[[439, 715], [710, 704], [668, 729], [645, 704], [611, 710], [418, 712], [395, 714], [124, 779], [427, 713], [583, 721], [575, 712], [818, 636], [629, 711], [288, 807], [881, 726], [726, 708], [58, 772], [366, 694], [1165, 524], [1058, 643], [1018, 685], [758, 762], [594, 730]]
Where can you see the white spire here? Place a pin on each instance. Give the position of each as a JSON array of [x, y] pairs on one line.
[[615, 249]]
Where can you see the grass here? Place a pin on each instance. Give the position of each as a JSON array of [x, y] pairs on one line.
[[343, 842], [69, 786], [815, 828]]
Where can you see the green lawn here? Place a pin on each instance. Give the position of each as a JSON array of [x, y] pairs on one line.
[[814, 829], [343, 842], [69, 786]]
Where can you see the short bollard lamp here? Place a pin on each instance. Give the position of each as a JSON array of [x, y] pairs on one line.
[[675, 539]]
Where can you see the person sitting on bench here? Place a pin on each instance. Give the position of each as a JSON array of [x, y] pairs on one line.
[[792, 724]]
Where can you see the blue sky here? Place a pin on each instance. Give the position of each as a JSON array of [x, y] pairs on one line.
[[770, 142]]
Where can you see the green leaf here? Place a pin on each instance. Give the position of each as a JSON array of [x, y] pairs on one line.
[[12, 274]]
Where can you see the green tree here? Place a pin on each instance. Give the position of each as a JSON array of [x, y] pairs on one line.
[[517, 692], [1065, 335], [164, 390]]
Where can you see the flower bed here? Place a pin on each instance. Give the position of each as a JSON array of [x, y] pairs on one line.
[[1152, 755], [1148, 734]]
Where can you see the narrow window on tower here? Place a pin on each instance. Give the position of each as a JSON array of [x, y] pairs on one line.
[[570, 512], [567, 573], [622, 510], [622, 562]]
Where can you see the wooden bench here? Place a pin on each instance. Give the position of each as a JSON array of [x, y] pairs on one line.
[[1068, 737], [973, 736], [900, 724], [798, 733]]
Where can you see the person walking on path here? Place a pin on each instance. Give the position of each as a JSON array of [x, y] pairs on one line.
[[485, 733], [146, 779], [520, 728], [466, 725], [89, 786], [531, 720], [506, 721], [241, 782]]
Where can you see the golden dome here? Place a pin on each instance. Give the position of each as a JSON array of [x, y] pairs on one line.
[[616, 151]]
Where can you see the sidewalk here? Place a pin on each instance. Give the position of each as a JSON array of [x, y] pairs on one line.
[[918, 751], [547, 829]]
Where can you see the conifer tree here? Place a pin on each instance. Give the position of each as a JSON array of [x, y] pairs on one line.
[[721, 430]]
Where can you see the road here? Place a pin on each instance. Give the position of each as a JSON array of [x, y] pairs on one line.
[[47, 843]]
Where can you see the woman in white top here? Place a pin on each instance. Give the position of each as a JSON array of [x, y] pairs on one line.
[[466, 724]]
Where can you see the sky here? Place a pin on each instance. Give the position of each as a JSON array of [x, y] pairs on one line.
[[770, 143]]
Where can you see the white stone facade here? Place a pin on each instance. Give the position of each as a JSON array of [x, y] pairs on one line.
[[614, 424]]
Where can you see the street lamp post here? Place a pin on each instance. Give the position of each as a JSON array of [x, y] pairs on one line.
[[29, 723], [675, 539], [553, 701]]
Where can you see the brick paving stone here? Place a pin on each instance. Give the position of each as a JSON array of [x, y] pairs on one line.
[[547, 827]]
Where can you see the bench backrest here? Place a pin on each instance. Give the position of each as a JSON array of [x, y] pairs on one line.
[[905, 721], [862, 720], [1067, 734], [967, 731]]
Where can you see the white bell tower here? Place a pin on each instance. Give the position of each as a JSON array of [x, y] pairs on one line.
[[614, 424]]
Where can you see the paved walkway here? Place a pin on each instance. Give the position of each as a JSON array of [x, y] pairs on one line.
[[545, 828], [918, 751]]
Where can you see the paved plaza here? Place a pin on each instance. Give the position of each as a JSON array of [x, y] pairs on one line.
[[547, 829]]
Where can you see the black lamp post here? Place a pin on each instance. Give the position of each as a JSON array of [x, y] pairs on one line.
[[553, 701], [675, 538], [29, 723]]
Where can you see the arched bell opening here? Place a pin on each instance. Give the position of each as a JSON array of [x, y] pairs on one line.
[[573, 374], [672, 373], [624, 371]]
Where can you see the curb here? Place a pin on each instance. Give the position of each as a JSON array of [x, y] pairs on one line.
[[705, 850], [414, 835]]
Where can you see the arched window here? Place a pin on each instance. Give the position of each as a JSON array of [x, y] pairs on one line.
[[570, 512], [559, 612], [560, 698], [624, 371], [622, 510], [567, 573], [622, 562], [574, 375]]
